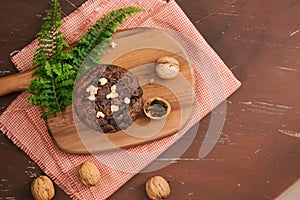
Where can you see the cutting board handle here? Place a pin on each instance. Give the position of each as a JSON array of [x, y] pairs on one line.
[[16, 82]]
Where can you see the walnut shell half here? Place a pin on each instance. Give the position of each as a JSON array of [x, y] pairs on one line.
[[157, 188], [88, 174], [156, 108], [42, 188]]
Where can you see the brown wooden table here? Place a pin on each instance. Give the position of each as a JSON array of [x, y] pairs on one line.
[[256, 157]]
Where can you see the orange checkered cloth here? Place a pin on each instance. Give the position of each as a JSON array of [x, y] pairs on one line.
[[23, 125]]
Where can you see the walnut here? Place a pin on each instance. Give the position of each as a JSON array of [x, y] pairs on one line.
[[167, 67], [88, 174], [157, 188], [156, 108], [42, 188]]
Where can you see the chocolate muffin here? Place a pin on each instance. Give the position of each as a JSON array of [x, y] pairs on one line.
[[108, 98]]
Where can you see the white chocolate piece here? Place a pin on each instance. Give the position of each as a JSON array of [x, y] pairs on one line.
[[92, 98], [102, 81], [127, 100], [90, 89], [114, 108], [112, 95], [113, 88], [100, 114], [94, 91]]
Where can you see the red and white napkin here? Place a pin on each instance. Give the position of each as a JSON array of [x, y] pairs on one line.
[[23, 125]]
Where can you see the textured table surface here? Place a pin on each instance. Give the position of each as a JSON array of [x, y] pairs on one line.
[[257, 154]]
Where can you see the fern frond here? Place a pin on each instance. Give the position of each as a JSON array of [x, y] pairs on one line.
[[57, 70]]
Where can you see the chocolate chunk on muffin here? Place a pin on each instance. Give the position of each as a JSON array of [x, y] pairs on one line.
[[108, 98]]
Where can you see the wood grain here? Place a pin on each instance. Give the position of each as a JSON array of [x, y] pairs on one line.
[[137, 50], [16, 82]]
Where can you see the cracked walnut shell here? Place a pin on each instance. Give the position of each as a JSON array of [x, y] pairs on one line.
[[42, 188], [157, 108], [157, 188], [88, 174]]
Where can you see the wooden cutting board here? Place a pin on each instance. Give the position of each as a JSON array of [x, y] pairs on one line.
[[136, 50]]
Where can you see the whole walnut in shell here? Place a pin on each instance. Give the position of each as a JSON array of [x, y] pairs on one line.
[[157, 188], [167, 67], [88, 174], [42, 188]]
